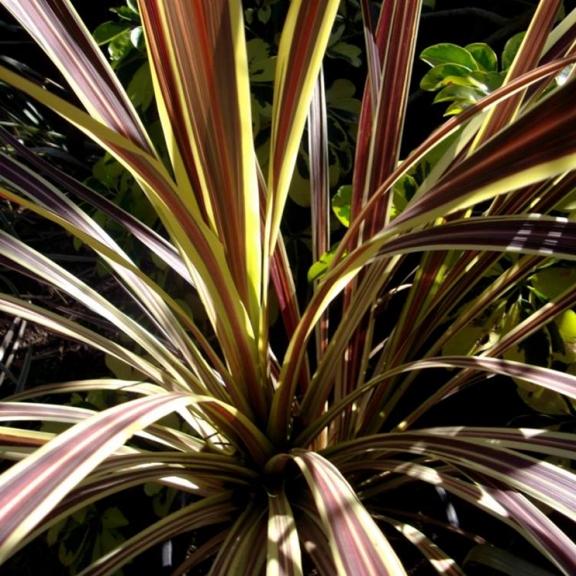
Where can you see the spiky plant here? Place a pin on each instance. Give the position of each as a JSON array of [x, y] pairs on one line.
[[306, 456]]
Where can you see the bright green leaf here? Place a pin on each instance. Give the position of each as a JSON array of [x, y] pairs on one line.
[[108, 31], [137, 37], [488, 81], [129, 12], [447, 53], [403, 191], [318, 269], [120, 45], [566, 323], [484, 55], [341, 203], [456, 108], [445, 74], [466, 94]]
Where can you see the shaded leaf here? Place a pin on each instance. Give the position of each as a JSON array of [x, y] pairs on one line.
[[108, 31], [510, 50]]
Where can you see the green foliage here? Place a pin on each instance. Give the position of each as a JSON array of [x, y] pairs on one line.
[[463, 75], [321, 266], [123, 37], [341, 204], [338, 48], [87, 535]]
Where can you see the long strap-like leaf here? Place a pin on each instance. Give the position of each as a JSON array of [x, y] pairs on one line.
[[358, 545], [200, 67]]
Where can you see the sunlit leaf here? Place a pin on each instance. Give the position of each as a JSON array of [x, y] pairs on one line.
[[449, 54], [358, 545], [484, 55]]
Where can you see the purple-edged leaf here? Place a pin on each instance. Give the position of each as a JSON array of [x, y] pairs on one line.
[[319, 164], [29, 411], [556, 545], [560, 41], [541, 480], [17, 442], [344, 272], [319, 188], [163, 310], [56, 27], [526, 59], [138, 387], [314, 542], [372, 56], [283, 551], [440, 135], [198, 56], [302, 45], [33, 487], [243, 551], [238, 429], [358, 545], [200, 462], [493, 498], [48, 271], [199, 475], [439, 560], [460, 279], [548, 442], [390, 54], [528, 326], [560, 382], [73, 330], [536, 235], [396, 39], [148, 237], [539, 145], [38, 412], [555, 380], [202, 251]]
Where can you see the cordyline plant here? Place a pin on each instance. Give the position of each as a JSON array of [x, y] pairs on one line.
[[305, 456]]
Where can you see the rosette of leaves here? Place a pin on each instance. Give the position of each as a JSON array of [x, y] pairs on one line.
[[306, 451]]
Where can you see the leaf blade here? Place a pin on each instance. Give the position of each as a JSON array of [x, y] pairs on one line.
[[358, 546], [32, 487]]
